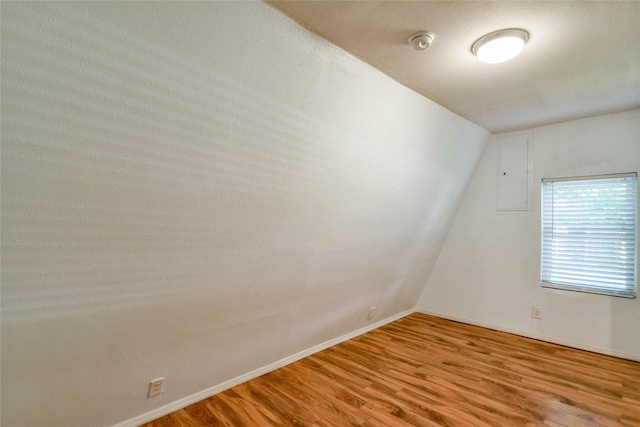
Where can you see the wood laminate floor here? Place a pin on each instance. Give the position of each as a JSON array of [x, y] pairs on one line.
[[425, 371]]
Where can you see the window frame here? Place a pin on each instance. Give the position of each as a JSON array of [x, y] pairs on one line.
[[546, 270]]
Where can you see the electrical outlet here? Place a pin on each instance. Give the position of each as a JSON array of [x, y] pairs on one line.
[[155, 387], [371, 313], [536, 312]]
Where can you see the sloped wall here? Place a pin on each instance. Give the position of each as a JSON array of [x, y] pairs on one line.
[[488, 272], [196, 191]]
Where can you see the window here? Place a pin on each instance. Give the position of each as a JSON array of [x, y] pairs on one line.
[[589, 234]]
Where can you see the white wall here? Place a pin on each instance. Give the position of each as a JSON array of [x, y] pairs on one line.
[[488, 270], [196, 191]]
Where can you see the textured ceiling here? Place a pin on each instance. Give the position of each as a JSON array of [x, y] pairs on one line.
[[582, 58]]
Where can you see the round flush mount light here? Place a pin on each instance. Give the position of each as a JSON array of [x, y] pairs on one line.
[[500, 46]]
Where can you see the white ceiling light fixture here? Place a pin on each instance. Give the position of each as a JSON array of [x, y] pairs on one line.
[[500, 46]]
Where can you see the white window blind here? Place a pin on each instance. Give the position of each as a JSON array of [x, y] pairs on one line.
[[589, 234]]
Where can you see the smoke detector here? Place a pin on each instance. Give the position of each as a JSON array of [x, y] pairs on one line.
[[421, 40]]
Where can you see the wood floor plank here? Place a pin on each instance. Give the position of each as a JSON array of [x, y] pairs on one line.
[[249, 392], [249, 413], [425, 371]]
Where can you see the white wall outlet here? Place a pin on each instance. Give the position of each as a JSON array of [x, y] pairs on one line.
[[371, 313], [155, 387], [536, 312]]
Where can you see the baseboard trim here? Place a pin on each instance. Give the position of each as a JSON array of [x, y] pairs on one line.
[[204, 394], [540, 337]]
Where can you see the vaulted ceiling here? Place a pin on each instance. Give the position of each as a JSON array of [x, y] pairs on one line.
[[582, 58]]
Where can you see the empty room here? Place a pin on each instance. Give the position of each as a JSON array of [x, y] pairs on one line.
[[319, 213]]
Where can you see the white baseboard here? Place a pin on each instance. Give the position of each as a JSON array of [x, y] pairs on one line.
[[554, 340], [196, 397]]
